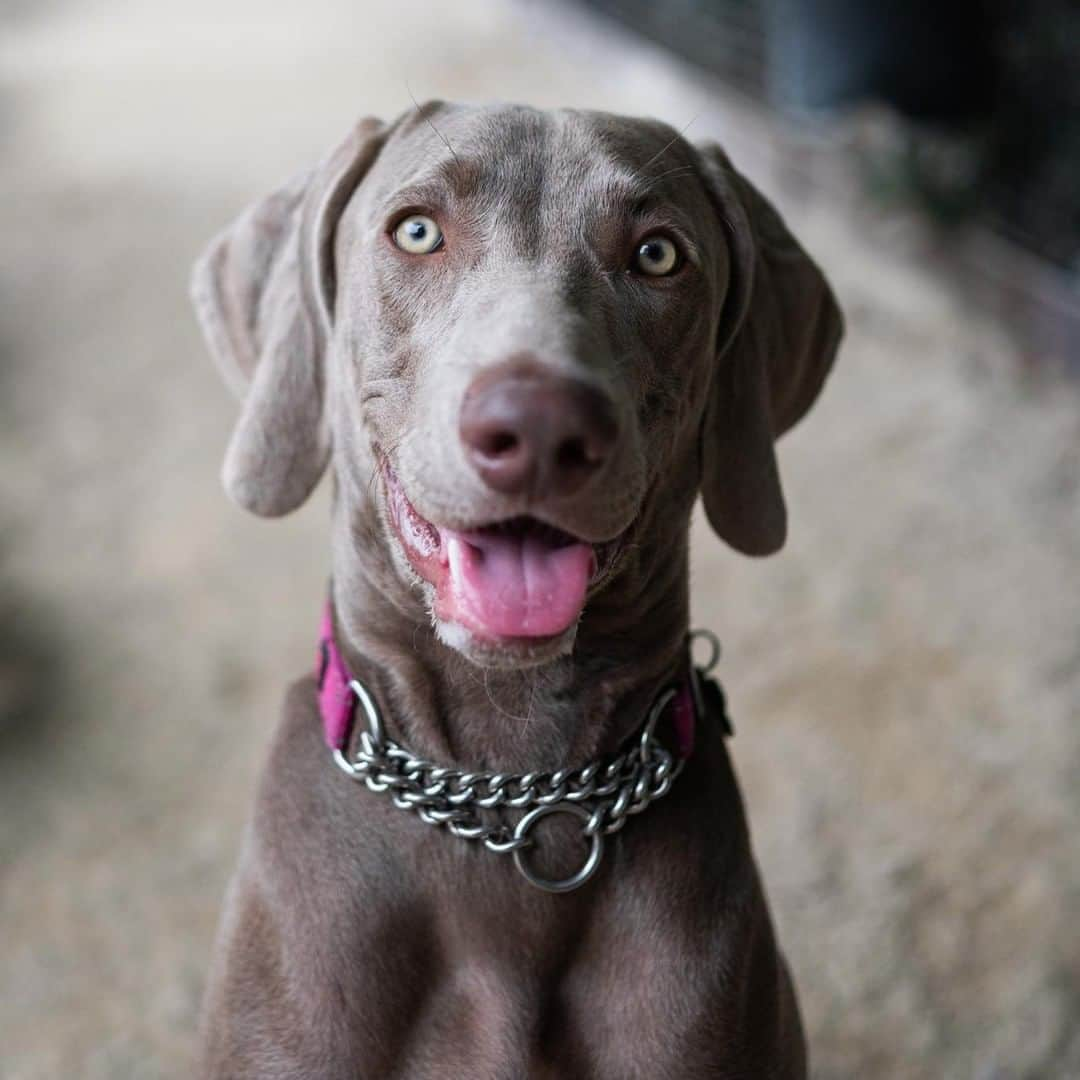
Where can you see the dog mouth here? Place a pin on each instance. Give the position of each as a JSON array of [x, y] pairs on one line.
[[515, 579]]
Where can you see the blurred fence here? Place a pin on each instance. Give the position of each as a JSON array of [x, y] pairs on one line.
[[982, 133]]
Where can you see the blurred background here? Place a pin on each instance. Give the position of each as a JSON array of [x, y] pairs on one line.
[[904, 676]]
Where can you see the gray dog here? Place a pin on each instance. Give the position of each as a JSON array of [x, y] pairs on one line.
[[524, 341]]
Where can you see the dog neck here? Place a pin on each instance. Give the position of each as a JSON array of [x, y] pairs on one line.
[[631, 639]]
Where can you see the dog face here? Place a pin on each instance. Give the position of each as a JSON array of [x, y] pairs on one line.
[[518, 329]]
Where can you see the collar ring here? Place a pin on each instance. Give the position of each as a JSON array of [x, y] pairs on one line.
[[580, 876]]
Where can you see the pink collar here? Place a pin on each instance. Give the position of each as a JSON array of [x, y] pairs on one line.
[[337, 699]]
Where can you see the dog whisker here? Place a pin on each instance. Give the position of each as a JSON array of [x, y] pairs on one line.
[[660, 153], [427, 119]]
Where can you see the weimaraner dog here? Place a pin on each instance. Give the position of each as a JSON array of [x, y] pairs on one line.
[[523, 341]]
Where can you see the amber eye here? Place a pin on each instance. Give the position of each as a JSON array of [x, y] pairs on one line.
[[418, 235], [656, 256]]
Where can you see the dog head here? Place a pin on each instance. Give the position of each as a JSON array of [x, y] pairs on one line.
[[515, 328]]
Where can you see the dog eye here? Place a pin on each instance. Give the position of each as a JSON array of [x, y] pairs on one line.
[[418, 235], [656, 256]]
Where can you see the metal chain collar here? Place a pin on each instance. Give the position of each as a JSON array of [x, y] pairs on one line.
[[603, 794]]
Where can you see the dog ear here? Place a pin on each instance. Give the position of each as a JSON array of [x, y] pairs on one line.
[[264, 295], [779, 333]]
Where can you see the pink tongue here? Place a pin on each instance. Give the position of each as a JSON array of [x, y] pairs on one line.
[[513, 586]]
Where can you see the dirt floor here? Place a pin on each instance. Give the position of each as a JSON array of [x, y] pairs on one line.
[[905, 676]]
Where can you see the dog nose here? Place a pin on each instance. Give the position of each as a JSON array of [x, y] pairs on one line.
[[527, 430]]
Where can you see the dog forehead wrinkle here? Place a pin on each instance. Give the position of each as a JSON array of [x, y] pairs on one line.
[[524, 157], [488, 141], [541, 184]]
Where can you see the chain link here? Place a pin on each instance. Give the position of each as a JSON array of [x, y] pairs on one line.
[[610, 790], [617, 787]]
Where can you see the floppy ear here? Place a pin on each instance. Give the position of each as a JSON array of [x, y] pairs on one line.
[[264, 295], [779, 332]]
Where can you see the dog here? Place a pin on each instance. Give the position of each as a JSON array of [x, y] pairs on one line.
[[524, 342]]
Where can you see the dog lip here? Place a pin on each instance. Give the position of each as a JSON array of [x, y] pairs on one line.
[[417, 534], [558, 535], [522, 525], [423, 543]]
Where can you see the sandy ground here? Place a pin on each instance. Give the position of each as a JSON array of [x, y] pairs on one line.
[[905, 676]]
